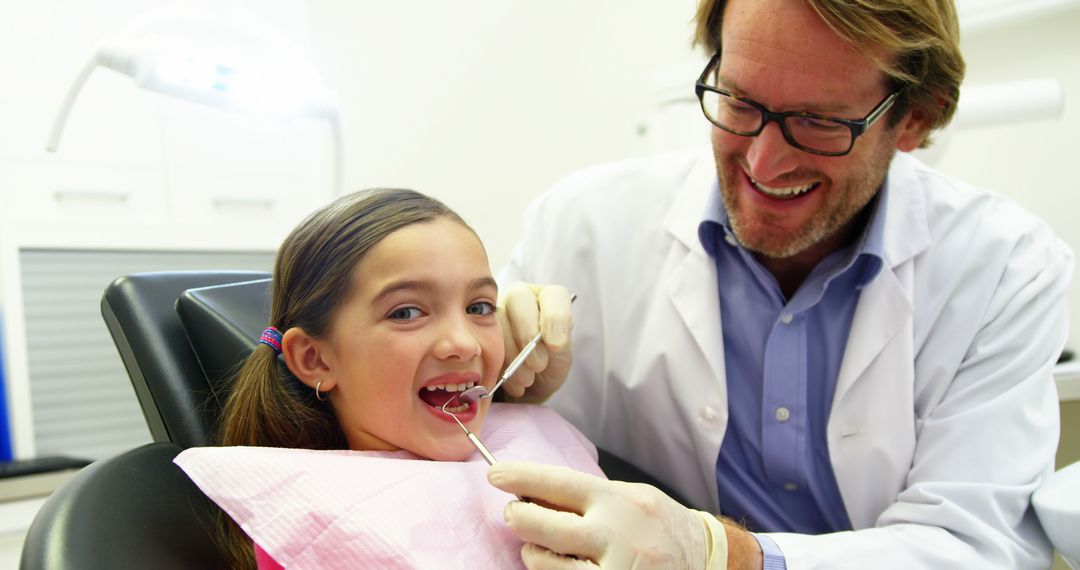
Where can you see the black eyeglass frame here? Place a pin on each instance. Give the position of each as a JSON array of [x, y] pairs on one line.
[[857, 126]]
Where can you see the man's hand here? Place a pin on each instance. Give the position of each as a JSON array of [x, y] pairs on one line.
[[610, 524], [524, 310]]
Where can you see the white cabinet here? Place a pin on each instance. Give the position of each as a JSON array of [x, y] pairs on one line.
[[49, 191]]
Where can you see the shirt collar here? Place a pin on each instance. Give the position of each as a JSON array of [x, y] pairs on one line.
[[714, 221]]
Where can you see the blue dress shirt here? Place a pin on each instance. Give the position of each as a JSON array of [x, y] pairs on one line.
[[782, 359]]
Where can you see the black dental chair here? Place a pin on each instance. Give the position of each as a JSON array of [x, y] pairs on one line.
[[138, 509], [181, 335]]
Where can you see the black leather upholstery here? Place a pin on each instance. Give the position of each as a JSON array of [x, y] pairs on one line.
[[223, 324], [140, 313], [135, 510]]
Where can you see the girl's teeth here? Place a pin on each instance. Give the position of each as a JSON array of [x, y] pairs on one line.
[[451, 387], [457, 409]]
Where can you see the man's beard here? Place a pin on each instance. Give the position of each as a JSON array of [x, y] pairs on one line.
[[843, 202]]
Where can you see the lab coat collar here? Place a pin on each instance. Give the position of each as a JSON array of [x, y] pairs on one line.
[[886, 305], [693, 271], [906, 231], [683, 218]]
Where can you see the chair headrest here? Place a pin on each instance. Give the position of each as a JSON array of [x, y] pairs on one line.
[[223, 324], [139, 312]]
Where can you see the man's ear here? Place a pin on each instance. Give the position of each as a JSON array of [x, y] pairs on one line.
[[912, 130], [307, 358]]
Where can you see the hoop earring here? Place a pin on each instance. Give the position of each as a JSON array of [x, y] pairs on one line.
[[318, 394]]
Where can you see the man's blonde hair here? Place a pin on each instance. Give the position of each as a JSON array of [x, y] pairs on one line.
[[916, 43]]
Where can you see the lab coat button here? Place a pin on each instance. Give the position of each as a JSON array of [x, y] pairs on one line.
[[708, 415], [786, 318], [791, 487], [783, 414]]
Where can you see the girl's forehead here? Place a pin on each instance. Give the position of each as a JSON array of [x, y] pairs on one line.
[[441, 253]]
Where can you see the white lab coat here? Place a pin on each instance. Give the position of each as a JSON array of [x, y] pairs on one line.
[[945, 417]]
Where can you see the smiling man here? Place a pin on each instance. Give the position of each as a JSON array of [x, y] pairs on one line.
[[843, 352]]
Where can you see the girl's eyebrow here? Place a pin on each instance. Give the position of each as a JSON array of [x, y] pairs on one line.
[[481, 282], [404, 285], [428, 287]]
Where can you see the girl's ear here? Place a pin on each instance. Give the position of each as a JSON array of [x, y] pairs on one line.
[[307, 358]]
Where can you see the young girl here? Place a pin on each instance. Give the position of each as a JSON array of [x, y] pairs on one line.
[[382, 309]]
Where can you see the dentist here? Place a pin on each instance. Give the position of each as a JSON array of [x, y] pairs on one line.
[[844, 353]]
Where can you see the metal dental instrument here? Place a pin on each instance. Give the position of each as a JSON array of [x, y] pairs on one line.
[[472, 437], [479, 445], [476, 393]]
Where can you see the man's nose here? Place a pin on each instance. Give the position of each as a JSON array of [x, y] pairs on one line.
[[770, 155]]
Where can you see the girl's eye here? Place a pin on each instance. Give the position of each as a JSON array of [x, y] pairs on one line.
[[482, 308], [405, 314]]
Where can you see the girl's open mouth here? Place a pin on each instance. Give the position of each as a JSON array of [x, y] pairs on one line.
[[439, 395]]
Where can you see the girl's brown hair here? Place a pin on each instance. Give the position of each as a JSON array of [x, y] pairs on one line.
[[313, 276]]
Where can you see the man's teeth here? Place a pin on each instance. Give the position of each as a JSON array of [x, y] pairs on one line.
[[451, 388], [791, 191]]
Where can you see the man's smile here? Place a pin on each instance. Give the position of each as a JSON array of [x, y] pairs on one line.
[[785, 192]]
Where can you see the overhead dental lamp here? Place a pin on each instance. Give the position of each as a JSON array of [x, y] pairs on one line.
[[230, 73]]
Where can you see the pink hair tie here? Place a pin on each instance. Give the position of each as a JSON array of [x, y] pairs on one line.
[[271, 337]]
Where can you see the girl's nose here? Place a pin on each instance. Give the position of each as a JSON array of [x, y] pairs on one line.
[[457, 340]]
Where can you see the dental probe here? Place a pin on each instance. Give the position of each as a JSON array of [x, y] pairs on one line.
[[479, 392]]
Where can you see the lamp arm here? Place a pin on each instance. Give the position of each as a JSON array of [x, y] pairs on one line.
[[69, 102]]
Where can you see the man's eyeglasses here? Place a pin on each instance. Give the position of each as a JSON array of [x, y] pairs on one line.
[[817, 134]]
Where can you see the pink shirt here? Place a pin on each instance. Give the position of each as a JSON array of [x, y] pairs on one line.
[[264, 561]]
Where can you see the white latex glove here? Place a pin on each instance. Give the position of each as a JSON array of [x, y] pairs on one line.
[[594, 522], [524, 310]]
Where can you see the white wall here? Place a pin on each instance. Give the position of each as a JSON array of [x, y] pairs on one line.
[[486, 103]]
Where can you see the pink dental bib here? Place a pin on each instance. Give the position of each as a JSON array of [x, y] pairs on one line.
[[374, 509]]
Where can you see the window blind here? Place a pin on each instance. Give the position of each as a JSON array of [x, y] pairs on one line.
[[82, 402]]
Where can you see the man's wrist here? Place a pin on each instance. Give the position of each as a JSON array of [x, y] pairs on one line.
[[744, 552]]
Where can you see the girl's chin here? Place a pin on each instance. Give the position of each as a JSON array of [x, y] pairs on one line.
[[451, 452]]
